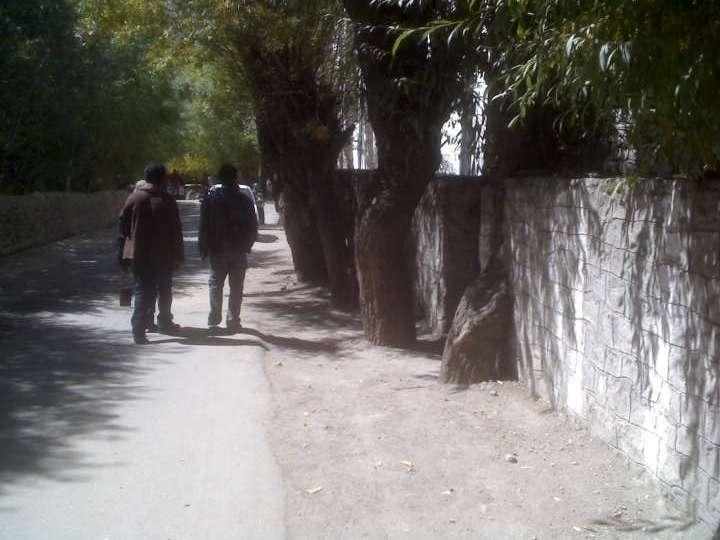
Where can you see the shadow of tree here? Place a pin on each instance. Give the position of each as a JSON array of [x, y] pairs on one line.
[[58, 381], [616, 303], [302, 345], [304, 309]]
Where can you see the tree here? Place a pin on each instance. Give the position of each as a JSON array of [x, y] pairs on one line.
[[410, 86], [597, 64], [218, 123], [287, 54], [83, 107]]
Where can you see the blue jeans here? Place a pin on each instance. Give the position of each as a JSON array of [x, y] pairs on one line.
[[222, 266], [151, 284]]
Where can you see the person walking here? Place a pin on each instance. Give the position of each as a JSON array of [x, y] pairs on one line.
[[150, 224], [228, 230]]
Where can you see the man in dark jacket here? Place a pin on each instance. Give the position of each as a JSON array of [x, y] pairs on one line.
[[150, 224], [228, 230]]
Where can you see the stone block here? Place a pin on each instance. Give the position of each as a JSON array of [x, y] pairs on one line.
[[631, 439], [663, 427], [703, 212], [712, 500], [711, 309], [641, 410], [679, 361], [613, 362], [702, 251], [709, 457], [602, 423], [688, 441], [711, 426], [619, 391], [668, 404], [632, 369], [624, 334], [618, 293], [692, 413], [669, 465]]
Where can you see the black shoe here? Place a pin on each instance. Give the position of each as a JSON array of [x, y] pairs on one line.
[[234, 326], [168, 328], [141, 340], [152, 328]]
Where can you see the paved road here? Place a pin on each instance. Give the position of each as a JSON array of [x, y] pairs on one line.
[[100, 439]]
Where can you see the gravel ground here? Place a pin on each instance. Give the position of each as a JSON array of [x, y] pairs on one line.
[[372, 446]]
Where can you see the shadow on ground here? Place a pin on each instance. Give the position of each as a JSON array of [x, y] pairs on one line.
[[64, 367], [223, 338], [59, 381]]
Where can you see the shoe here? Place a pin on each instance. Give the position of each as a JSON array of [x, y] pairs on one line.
[[152, 328], [168, 327], [234, 326], [141, 340]]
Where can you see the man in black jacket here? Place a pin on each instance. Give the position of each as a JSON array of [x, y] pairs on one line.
[[150, 224], [228, 230]]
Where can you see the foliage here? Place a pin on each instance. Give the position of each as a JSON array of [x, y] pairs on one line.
[[83, 107], [284, 56], [424, 75], [217, 125], [649, 66]]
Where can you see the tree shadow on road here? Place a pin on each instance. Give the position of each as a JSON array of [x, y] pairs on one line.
[[219, 337], [302, 345], [302, 308], [59, 381]]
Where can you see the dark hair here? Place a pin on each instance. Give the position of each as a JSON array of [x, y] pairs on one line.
[[227, 174], [155, 173]]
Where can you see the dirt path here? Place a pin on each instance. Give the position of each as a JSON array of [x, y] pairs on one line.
[[372, 446]]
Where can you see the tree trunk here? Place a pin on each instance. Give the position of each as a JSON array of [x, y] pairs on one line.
[[335, 242], [382, 256], [481, 342], [383, 259], [409, 93], [480, 345], [303, 237]]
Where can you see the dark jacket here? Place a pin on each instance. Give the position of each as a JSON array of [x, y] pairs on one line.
[[151, 221], [228, 223]]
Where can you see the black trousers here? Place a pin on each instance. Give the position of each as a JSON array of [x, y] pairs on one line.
[[153, 283]]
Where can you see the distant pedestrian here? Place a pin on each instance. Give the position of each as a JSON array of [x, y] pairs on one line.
[[150, 225], [228, 230], [259, 192]]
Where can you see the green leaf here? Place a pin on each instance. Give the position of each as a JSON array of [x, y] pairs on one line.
[[401, 38]]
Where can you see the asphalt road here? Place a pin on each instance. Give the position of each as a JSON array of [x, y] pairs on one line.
[[100, 439]]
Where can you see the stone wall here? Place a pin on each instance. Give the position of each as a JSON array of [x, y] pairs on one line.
[[444, 238], [445, 233], [616, 293], [31, 220], [617, 313]]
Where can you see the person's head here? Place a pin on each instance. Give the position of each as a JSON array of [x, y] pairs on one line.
[[228, 175], [155, 174]]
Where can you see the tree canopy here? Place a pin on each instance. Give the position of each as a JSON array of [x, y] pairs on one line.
[[95, 89], [650, 68], [83, 106]]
